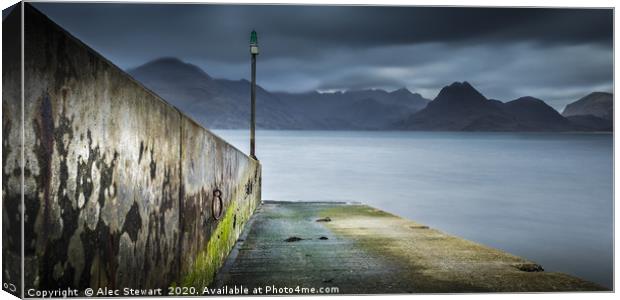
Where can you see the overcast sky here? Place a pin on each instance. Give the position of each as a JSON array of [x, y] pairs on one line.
[[558, 55]]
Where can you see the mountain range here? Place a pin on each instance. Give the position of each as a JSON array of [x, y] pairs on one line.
[[223, 103], [460, 107], [594, 111]]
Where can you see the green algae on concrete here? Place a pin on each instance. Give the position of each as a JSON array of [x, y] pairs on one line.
[[212, 257], [368, 251]]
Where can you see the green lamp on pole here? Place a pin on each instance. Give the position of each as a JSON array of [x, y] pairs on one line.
[[253, 52], [253, 43]]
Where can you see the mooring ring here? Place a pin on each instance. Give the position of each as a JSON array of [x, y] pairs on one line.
[[217, 204]]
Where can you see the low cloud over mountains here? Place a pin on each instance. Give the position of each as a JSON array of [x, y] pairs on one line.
[[222, 103]]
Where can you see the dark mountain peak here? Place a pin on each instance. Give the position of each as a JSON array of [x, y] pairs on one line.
[[599, 104], [601, 98], [173, 66], [535, 113], [459, 92], [404, 95], [528, 100], [598, 94], [402, 91], [462, 86], [531, 105]]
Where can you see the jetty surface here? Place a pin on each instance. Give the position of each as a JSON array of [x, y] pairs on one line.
[[362, 250]]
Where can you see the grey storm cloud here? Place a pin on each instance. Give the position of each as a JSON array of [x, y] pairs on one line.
[[557, 55]]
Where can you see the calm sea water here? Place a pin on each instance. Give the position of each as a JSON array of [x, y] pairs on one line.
[[544, 196]]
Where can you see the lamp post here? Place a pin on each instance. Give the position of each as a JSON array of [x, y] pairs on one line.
[[253, 52]]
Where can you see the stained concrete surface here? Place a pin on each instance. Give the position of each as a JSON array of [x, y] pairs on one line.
[[11, 150], [118, 185], [369, 251]]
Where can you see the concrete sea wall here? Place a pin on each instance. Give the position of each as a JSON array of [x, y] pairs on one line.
[[11, 152], [120, 188]]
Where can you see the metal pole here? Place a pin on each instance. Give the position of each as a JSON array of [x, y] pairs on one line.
[[253, 113]]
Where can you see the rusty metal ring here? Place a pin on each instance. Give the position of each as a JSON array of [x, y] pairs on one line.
[[217, 198]]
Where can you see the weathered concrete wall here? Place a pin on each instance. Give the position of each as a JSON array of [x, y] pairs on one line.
[[119, 185], [211, 167], [11, 152]]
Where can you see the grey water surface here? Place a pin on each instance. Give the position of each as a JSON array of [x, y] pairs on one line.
[[544, 196]]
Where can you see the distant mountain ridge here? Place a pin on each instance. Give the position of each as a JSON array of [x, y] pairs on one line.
[[222, 103], [598, 104], [594, 111], [460, 107], [360, 109], [216, 103]]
